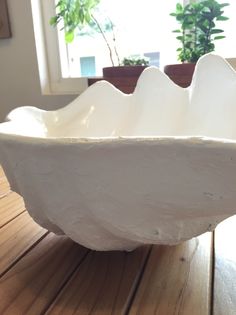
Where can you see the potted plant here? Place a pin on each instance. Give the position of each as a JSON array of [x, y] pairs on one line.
[[76, 16], [125, 76], [196, 34]]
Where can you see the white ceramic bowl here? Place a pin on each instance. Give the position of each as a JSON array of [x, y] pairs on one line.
[[115, 171]]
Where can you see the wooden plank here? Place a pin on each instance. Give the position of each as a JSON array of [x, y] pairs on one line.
[[31, 285], [4, 187], [10, 207], [177, 280], [225, 268], [2, 174], [103, 284], [16, 238]]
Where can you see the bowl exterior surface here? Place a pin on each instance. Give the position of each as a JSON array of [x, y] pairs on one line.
[[115, 171], [120, 194]]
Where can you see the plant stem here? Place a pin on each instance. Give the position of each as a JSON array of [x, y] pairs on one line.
[[207, 39], [116, 52], [104, 37], [114, 42], [183, 43], [195, 36]]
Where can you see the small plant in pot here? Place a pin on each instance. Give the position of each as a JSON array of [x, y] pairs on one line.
[[135, 61], [125, 76], [197, 34], [130, 66]]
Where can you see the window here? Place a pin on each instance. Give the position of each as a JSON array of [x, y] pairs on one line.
[[146, 31], [154, 58], [87, 66]]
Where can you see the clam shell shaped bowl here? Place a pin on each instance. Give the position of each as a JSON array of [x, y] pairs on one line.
[[115, 171]]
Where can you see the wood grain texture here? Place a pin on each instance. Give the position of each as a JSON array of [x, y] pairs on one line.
[[225, 268], [16, 238], [2, 174], [103, 284], [31, 285], [10, 207], [4, 187], [177, 280]]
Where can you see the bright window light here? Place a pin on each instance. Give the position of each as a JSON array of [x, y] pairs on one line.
[[138, 31]]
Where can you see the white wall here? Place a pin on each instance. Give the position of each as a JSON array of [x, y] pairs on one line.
[[19, 78]]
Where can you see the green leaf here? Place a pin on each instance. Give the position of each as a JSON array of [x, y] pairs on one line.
[[69, 37], [179, 7], [219, 37], [53, 20], [87, 18], [222, 18], [222, 5], [216, 31]]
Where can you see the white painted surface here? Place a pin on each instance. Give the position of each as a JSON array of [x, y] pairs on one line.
[[114, 171], [19, 76]]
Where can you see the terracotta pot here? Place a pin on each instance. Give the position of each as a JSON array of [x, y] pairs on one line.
[[123, 77], [126, 71], [181, 74]]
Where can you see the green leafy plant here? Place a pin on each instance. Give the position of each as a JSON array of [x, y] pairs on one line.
[[135, 61], [198, 31], [77, 15]]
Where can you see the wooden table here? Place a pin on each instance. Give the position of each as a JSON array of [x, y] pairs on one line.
[[41, 273]]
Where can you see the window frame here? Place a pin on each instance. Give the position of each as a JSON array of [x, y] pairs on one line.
[[48, 54]]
